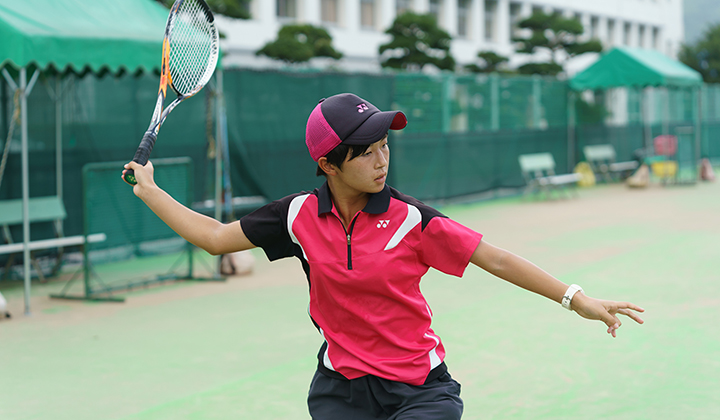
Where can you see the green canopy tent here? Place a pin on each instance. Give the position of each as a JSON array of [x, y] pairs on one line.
[[57, 37], [634, 67], [637, 68]]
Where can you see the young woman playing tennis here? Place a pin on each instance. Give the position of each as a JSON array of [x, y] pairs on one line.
[[364, 247]]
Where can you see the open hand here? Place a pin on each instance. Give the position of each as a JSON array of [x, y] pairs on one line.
[[605, 311]]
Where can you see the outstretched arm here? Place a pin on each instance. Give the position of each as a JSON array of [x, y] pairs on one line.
[[523, 273], [200, 230]]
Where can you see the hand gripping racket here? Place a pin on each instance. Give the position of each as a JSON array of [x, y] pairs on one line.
[[189, 56]]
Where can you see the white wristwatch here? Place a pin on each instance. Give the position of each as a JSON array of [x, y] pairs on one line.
[[567, 298]]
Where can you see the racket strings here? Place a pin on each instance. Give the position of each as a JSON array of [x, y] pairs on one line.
[[193, 48]]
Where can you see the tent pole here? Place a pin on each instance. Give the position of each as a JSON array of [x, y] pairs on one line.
[[25, 89], [698, 127], [666, 111], [571, 130], [218, 160], [223, 139], [218, 151], [58, 140], [645, 117], [25, 187]]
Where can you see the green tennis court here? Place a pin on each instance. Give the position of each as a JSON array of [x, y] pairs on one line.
[[245, 348]]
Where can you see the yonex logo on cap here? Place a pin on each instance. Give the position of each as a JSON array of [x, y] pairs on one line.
[[382, 224], [348, 119]]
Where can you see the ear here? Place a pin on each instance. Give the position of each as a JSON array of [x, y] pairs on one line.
[[327, 167]]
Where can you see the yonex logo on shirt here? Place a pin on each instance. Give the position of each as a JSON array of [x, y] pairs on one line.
[[383, 224]]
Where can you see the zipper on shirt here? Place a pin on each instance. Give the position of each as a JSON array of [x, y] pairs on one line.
[[348, 235], [349, 252]]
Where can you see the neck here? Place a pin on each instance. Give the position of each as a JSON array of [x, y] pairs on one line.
[[347, 203]]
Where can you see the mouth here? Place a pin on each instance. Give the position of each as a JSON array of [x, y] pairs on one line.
[[381, 178]]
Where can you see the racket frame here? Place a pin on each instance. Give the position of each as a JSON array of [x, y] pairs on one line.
[[160, 113]]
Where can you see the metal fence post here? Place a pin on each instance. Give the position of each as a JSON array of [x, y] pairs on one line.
[[536, 102], [494, 102]]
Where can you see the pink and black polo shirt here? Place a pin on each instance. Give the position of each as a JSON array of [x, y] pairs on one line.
[[364, 281]]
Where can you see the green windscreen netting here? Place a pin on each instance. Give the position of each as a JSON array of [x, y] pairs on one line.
[[267, 113], [463, 136], [450, 103], [130, 226], [103, 120], [131, 230]]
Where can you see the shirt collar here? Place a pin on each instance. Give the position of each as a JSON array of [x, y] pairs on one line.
[[379, 202]]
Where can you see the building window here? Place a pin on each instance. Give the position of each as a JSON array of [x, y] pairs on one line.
[[627, 27], [515, 18], [490, 18], [656, 38], [641, 36], [611, 31], [367, 14], [594, 26], [329, 11], [402, 6], [463, 14], [287, 8], [436, 9]]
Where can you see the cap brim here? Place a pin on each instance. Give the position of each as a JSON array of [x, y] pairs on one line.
[[375, 127]]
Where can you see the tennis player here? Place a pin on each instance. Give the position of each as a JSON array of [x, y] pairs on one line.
[[364, 246]]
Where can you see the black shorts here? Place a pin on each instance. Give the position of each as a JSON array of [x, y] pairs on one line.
[[373, 398]]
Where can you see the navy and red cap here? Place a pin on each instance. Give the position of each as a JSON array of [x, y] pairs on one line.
[[348, 119]]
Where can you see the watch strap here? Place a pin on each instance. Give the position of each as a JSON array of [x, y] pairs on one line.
[[567, 298]]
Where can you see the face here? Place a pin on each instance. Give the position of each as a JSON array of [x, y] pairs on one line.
[[366, 173]]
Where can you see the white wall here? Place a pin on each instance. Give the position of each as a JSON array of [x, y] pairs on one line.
[[360, 45]]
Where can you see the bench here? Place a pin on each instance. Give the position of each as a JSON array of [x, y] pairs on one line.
[[538, 169], [601, 158], [240, 205], [40, 209]]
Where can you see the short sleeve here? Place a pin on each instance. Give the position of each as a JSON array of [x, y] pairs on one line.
[[266, 227], [447, 245]]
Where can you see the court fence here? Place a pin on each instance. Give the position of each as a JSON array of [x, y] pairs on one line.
[[463, 137], [130, 230]]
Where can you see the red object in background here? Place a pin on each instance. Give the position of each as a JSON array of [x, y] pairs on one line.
[[665, 145]]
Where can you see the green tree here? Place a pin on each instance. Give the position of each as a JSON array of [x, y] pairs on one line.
[[300, 43], [490, 62], [416, 42], [704, 55], [238, 9], [556, 34]]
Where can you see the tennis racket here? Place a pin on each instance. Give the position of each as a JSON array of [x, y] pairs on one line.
[[189, 56]]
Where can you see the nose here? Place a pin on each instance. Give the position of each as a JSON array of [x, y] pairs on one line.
[[382, 159]]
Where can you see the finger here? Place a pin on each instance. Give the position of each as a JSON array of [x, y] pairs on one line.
[[610, 320], [628, 305], [632, 315], [611, 331]]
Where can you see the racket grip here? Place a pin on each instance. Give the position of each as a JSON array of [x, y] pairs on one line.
[[141, 155]]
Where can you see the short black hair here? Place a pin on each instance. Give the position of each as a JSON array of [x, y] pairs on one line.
[[337, 156]]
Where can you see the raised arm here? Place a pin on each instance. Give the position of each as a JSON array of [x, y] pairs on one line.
[[200, 230], [523, 273]]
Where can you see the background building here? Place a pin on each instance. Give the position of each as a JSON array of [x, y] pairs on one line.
[[357, 26]]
